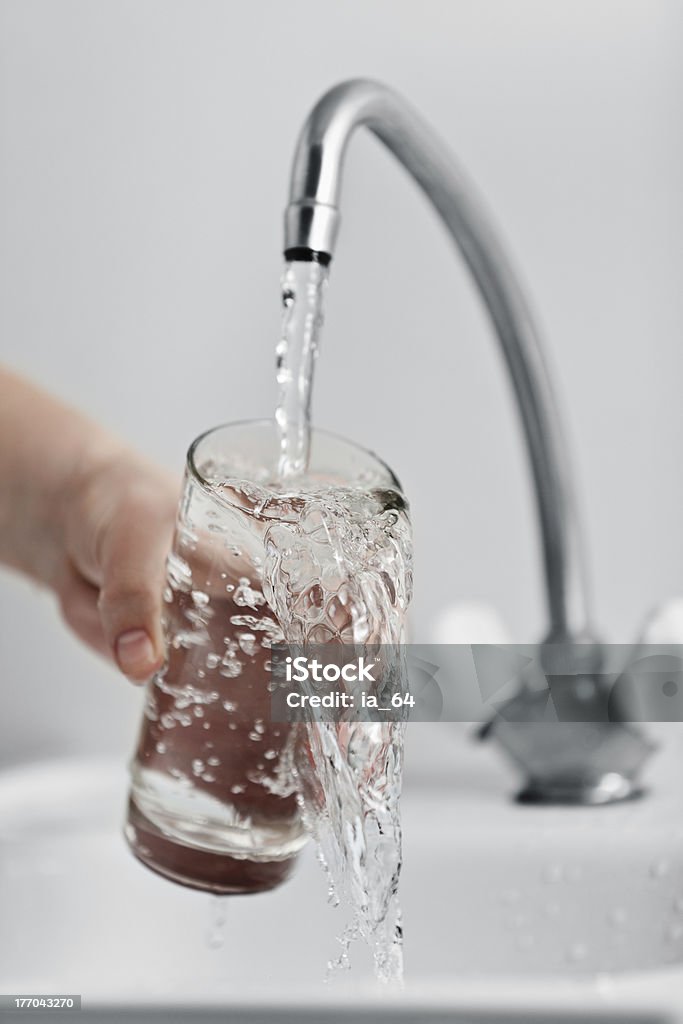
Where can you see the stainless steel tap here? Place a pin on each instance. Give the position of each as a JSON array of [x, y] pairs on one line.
[[312, 221]]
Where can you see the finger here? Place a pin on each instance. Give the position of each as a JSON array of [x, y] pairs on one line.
[[133, 562]]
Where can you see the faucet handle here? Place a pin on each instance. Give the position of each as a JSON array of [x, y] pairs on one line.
[[591, 753]]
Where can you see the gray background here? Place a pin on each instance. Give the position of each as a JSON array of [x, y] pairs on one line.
[[145, 153]]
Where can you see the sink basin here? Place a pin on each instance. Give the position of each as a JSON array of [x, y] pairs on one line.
[[516, 890], [509, 911]]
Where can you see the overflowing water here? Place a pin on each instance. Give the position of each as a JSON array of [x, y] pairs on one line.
[[342, 572]]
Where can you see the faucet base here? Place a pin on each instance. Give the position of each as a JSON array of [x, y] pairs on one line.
[[609, 789]]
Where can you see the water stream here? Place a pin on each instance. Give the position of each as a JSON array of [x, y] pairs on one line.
[[341, 572], [303, 297]]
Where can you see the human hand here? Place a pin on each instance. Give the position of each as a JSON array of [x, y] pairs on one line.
[[118, 518], [84, 515]]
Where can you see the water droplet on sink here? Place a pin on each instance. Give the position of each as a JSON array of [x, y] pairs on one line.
[[674, 933], [215, 936], [659, 869], [617, 917], [604, 985], [577, 953], [553, 873]]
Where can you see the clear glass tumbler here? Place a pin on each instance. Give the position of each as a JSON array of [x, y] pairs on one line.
[[208, 807]]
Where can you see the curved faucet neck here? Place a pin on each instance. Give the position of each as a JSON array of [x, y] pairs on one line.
[[311, 227]]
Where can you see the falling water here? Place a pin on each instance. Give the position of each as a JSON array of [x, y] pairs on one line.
[[303, 295], [340, 572]]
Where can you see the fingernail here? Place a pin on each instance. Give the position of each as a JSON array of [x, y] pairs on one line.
[[134, 652]]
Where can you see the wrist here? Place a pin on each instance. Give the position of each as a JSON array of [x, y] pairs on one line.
[[53, 450]]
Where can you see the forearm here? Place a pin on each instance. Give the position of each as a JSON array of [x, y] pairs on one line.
[[45, 449]]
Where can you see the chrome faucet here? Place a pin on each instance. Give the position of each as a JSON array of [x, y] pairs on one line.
[[561, 770]]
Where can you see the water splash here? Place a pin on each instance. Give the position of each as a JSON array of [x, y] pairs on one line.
[[342, 572]]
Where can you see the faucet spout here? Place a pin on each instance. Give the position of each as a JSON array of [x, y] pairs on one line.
[[311, 228]]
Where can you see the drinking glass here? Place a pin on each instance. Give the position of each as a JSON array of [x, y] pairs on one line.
[[210, 805]]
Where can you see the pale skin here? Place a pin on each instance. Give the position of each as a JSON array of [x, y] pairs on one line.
[[87, 517]]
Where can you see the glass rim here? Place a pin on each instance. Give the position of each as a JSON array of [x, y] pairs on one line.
[[206, 486]]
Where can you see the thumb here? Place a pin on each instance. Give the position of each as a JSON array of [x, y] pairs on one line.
[[132, 576]]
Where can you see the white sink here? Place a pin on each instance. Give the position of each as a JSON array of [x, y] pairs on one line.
[[508, 910]]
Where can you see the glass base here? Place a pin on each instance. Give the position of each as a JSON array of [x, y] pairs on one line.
[[201, 869]]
